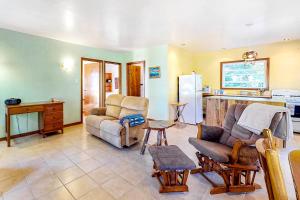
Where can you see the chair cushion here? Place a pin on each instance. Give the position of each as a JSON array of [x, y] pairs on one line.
[[95, 120], [111, 126], [216, 151], [232, 131]]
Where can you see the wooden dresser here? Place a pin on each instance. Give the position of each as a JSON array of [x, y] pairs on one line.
[[50, 115]]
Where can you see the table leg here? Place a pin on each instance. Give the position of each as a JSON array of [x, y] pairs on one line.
[[145, 141], [159, 137], [165, 137], [7, 127], [177, 114], [180, 114]]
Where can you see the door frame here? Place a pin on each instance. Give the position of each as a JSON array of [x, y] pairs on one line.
[[143, 63], [81, 81]]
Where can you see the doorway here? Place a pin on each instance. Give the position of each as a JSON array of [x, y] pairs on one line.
[[136, 78], [112, 78], [99, 79], [91, 84]]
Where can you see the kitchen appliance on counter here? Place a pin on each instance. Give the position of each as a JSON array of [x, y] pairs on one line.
[[190, 92], [292, 101]]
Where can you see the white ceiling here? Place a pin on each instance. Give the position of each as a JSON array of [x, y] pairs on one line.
[[130, 24]]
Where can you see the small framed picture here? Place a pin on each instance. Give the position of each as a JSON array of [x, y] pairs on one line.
[[154, 72]]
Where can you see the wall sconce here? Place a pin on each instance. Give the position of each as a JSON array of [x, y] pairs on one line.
[[67, 64]]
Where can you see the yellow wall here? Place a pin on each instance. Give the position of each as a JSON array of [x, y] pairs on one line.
[[180, 61], [284, 64]]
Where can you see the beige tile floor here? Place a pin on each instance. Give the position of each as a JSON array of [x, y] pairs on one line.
[[76, 165]]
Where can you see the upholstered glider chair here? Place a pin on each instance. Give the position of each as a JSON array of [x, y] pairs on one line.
[[105, 123], [269, 161], [230, 152]]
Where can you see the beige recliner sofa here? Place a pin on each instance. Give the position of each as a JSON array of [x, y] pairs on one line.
[[105, 122]]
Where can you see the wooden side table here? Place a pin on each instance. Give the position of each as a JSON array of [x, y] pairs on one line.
[[160, 126]]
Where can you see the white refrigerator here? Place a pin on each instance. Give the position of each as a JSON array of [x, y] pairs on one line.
[[190, 92]]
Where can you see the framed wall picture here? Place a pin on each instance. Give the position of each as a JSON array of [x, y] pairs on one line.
[[154, 72], [243, 75]]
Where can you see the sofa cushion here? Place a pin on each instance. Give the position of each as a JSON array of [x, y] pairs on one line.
[[113, 111], [114, 100], [125, 112], [134, 105], [111, 126], [113, 105], [95, 121], [218, 152]]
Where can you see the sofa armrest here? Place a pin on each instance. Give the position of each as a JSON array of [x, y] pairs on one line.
[[128, 135], [98, 111], [209, 133]]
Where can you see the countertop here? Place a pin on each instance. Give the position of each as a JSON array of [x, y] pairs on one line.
[[247, 98]]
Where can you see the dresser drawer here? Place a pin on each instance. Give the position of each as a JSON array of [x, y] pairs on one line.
[[53, 126], [53, 108], [25, 109], [53, 117]]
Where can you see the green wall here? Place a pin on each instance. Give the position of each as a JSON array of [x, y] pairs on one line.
[[30, 70], [155, 89]]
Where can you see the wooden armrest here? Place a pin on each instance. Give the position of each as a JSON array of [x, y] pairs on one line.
[[199, 133], [242, 167], [236, 150]]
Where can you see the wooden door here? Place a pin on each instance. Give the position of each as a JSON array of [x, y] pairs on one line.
[[134, 80]]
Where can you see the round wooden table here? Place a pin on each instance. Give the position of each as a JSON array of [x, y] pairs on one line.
[[160, 126]]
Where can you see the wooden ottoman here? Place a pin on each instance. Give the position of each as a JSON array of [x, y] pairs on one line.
[[171, 167]]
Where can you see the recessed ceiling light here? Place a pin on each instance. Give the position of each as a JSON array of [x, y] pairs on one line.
[[286, 39], [249, 24]]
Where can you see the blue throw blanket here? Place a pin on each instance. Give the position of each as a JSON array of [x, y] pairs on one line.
[[134, 120]]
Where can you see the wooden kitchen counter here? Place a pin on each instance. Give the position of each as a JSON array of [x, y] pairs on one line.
[[216, 106]]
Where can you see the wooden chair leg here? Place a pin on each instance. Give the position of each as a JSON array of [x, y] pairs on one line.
[[235, 179]]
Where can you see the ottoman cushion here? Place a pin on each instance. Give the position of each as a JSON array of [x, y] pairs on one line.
[[170, 158]]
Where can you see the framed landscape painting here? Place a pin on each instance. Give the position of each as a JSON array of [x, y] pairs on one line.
[[239, 75], [154, 72]]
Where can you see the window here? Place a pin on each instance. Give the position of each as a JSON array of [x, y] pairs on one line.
[[245, 75]]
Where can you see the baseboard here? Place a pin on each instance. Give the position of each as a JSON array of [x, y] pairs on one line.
[[35, 132], [72, 124], [20, 135]]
